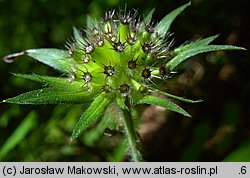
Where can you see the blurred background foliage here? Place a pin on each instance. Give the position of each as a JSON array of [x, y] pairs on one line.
[[218, 131]]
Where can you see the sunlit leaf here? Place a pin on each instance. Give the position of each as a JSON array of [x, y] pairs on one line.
[[55, 58], [52, 95], [90, 115], [165, 23], [163, 103], [181, 57]]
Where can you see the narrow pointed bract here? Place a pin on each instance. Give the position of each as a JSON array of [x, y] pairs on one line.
[[117, 60]]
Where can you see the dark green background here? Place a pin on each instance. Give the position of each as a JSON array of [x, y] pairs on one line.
[[220, 127]]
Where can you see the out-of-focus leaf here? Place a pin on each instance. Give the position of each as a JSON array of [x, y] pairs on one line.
[[52, 95], [54, 81], [90, 115], [176, 97], [55, 58], [242, 154], [5, 116], [197, 43], [19, 134], [163, 103], [120, 151], [95, 134], [181, 57], [201, 133], [165, 23]]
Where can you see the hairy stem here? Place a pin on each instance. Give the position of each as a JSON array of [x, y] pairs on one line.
[[131, 136]]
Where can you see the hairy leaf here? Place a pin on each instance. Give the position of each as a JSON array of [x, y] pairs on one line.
[[181, 57], [163, 103], [119, 151], [52, 95], [197, 43], [54, 81], [165, 23], [55, 58], [120, 100], [93, 112], [176, 97]]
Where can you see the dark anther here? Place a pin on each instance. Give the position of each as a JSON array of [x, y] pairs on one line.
[[149, 27], [100, 42], [132, 64], [86, 58], [126, 18], [113, 38], [163, 72], [109, 70], [89, 48], [119, 46], [110, 132], [146, 73], [146, 47], [143, 90], [124, 89], [87, 77], [131, 39]]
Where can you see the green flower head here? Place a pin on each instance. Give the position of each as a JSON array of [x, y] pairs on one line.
[[119, 59]]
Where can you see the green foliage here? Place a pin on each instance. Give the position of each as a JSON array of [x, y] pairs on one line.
[[240, 154], [55, 58], [197, 49], [52, 95], [29, 122], [163, 103], [53, 81], [94, 111], [197, 43], [114, 62]]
